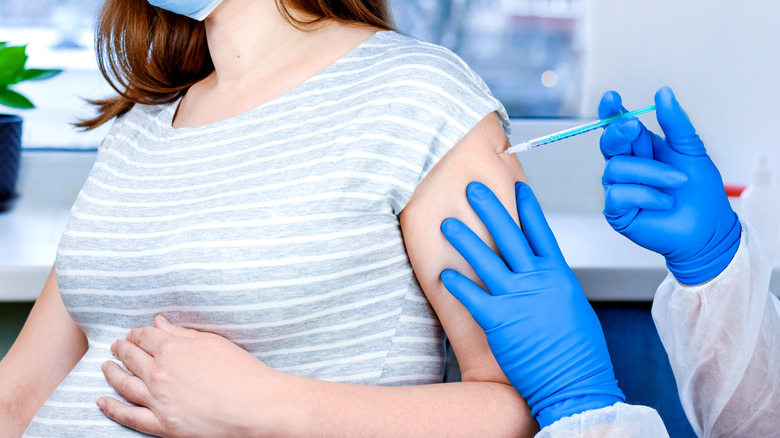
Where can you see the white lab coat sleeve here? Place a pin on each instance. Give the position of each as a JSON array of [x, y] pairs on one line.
[[617, 421], [723, 342]]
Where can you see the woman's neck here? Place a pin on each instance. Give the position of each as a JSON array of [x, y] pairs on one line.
[[250, 39], [258, 56]]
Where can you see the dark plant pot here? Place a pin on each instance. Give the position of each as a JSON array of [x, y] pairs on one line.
[[10, 156]]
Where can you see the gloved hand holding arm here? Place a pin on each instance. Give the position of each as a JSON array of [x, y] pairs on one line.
[[542, 330]]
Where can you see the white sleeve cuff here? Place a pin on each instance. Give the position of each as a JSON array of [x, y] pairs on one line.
[[617, 421]]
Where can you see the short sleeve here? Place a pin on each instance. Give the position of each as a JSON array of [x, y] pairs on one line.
[[469, 90], [437, 99]]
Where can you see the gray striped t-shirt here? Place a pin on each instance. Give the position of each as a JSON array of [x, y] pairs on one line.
[[277, 228]]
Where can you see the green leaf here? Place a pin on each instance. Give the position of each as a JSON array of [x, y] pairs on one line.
[[37, 74], [13, 99], [2, 44], [12, 60]]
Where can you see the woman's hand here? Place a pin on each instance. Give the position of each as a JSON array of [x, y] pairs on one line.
[[188, 383]]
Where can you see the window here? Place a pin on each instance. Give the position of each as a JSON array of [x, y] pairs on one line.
[[62, 38], [528, 52]]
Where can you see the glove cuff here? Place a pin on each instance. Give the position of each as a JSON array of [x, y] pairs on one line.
[[576, 405], [711, 261], [595, 392]]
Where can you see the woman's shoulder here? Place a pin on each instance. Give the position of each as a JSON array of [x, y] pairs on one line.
[[392, 49], [399, 42], [145, 116], [403, 65], [432, 78], [142, 120]]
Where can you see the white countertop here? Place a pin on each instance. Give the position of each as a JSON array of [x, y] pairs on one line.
[[30, 233]]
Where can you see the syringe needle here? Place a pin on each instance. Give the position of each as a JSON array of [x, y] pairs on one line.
[[571, 132]]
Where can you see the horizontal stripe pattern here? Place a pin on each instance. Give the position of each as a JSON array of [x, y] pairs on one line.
[[277, 228]]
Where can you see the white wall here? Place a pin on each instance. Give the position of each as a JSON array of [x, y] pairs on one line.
[[721, 57]]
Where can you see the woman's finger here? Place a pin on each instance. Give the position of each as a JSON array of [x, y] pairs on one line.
[[135, 417], [131, 387], [149, 339], [134, 358]]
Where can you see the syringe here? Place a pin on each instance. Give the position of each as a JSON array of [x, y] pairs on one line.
[[577, 130]]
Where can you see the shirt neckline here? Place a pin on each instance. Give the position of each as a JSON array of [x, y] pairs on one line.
[[168, 113]]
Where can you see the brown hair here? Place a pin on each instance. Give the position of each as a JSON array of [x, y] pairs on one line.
[[152, 56]]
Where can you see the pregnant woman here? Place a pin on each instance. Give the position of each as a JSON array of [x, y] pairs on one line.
[[256, 251]]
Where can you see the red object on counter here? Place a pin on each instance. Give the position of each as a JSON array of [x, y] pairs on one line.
[[734, 191]]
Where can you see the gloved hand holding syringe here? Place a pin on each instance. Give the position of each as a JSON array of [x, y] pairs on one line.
[[571, 132]]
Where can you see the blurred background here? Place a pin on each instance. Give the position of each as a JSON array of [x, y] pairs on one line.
[[549, 62], [58, 34], [528, 51]]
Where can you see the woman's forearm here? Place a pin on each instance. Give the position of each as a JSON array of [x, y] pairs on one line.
[[190, 383], [48, 347], [13, 424], [318, 408]]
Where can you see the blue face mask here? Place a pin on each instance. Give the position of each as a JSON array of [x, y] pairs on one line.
[[195, 9]]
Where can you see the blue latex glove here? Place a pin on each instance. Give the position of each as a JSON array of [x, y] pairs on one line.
[[541, 328], [666, 195]]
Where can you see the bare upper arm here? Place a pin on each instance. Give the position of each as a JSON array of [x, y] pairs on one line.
[[48, 347], [442, 194]]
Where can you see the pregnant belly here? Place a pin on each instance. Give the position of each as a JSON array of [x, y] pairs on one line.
[[71, 410]]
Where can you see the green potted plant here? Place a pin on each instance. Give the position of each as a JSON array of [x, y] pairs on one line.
[[13, 71]]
